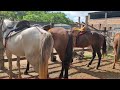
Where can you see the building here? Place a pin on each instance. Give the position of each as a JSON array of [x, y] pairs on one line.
[[105, 20], [66, 26]]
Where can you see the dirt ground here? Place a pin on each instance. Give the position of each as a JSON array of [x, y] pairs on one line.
[[78, 70]]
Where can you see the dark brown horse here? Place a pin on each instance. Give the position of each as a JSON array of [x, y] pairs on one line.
[[116, 47], [86, 38], [63, 43]]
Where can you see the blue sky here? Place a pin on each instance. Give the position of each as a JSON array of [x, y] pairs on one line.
[[73, 15]]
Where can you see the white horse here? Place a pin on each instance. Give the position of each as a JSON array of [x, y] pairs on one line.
[[34, 43]]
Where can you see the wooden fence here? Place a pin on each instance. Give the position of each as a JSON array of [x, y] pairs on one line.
[[1, 51]]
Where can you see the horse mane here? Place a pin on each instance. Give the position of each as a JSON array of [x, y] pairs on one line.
[[48, 26]]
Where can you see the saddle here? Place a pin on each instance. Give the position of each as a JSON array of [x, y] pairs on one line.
[[81, 32], [22, 25]]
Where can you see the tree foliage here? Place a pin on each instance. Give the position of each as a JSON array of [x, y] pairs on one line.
[[38, 16]]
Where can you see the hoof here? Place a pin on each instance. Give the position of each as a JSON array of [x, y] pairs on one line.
[[48, 76], [10, 77], [97, 68], [19, 77], [88, 65], [25, 73], [65, 77], [36, 77], [113, 68], [56, 78]]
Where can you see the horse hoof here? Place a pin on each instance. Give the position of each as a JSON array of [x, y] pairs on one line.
[[25, 73], [60, 77], [97, 68], [10, 77], [56, 78], [36, 77], [65, 77], [19, 77], [113, 67]]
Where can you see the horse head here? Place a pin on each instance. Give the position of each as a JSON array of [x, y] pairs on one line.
[[47, 27]]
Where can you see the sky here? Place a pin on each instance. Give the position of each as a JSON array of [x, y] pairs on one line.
[[73, 15]]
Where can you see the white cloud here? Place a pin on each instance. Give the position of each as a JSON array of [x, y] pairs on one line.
[[73, 15]]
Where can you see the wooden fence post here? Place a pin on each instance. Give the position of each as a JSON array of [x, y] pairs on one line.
[[86, 21], [1, 52], [1, 58], [79, 24]]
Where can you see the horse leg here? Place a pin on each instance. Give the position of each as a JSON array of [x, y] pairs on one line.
[[68, 55], [115, 60], [60, 50], [27, 68], [10, 67], [61, 73], [93, 56], [71, 61], [46, 68], [18, 65], [115, 56], [99, 56], [9, 56], [66, 65], [82, 53]]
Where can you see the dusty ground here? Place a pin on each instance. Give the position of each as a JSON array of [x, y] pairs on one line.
[[78, 70]]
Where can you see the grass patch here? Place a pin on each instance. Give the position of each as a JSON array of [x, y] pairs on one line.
[[88, 55], [110, 56]]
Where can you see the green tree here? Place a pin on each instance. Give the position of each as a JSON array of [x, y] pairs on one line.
[[38, 16]]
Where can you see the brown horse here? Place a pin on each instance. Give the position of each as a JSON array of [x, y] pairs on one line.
[[85, 38], [63, 43], [116, 47]]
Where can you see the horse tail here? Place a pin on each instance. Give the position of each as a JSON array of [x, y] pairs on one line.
[[104, 47], [46, 49], [69, 49], [118, 49]]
